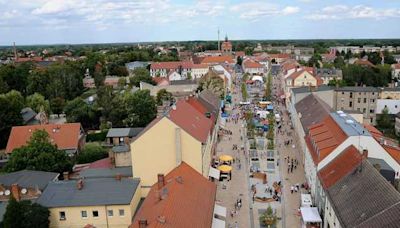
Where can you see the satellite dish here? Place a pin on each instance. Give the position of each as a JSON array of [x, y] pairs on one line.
[[7, 192], [24, 191], [91, 99], [1, 193]]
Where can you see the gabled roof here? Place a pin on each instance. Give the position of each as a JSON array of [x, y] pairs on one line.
[[364, 62], [252, 64], [195, 102], [28, 178], [364, 196], [279, 56], [188, 201], [210, 101], [199, 66], [394, 152], [191, 120], [340, 166], [298, 73], [124, 132], [66, 136], [95, 192], [217, 59], [312, 110]]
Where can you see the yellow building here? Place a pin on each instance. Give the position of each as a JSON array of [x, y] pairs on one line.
[[390, 93], [301, 77], [186, 133], [98, 202]]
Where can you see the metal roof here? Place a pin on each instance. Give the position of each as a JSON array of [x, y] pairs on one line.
[[28, 178], [313, 110], [358, 89], [306, 89], [95, 192], [349, 125], [106, 172], [124, 132]]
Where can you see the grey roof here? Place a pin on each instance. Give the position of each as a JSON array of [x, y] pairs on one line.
[[3, 207], [306, 89], [28, 178], [121, 148], [349, 125], [124, 132], [210, 101], [106, 172], [95, 192], [391, 89], [182, 82], [358, 89], [136, 64], [360, 198], [328, 72], [312, 110], [383, 165], [28, 114], [387, 218]]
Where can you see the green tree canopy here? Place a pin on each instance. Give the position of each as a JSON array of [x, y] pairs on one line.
[[57, 105], [38, 103], [140, 75], [212, 82], [141, 108], [10, 114], [163, 95], [91, 152], [39, 154], [79, 111], [24, 214]]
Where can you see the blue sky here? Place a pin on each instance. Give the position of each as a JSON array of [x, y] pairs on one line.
[[98, 21]]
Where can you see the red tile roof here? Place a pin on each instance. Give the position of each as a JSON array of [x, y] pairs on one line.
[[188, 201], [195, 103], [171, 65], [393, 151], [279, 56], [199, 66], [339, 167], [299, 72], [326, 136], [364, 62], [160, 80], [102, 163], [374, 132], [191, 120], [66, 136], [252, 64], [217, 59], [240, 53]]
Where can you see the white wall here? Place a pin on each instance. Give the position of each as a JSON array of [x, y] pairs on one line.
[[393, 106]]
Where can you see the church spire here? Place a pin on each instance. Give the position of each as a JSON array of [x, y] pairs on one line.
[[226, 37]]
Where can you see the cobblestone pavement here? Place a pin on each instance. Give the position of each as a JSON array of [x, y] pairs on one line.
[[291, 201]]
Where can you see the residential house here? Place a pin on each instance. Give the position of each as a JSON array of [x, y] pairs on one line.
[[253, 67], [182, 198], [29, 116], [395, 71], [162, 69], [393, 106], [199, 70], [329, 57], [302, 77], [23, 185], [216, 60], [327, 74], [225, 73], [95, 202], [177, 88], [69, 136], [120, 139], [362, 99], [186, 133], [174, 76], [397, 123], [279, 58], [390, 93]]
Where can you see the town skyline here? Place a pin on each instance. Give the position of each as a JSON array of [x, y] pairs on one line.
[[78, 22]]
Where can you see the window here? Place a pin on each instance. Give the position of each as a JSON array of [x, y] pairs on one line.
[[359, 100], [110, 213], [351, 95], [372, 100], [343, 94], [62, 215], [84, 214], [350, 104], [373, 93], [395, 106], [365, 100], [121, 212], [371, 111], [364, 110], [95, 214]]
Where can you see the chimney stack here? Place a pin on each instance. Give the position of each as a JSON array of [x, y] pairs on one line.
[[161, 180], [142, 223], [79, 184], [365, 154], [66, 175], [15, 192]]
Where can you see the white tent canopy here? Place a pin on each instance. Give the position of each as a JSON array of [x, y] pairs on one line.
[[257, 78], [310, 214], [215, 173], [218, 223], [306, 200], [219, 210]]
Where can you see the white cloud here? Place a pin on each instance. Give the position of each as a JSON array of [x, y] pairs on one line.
[[337, 12], [256, 10]]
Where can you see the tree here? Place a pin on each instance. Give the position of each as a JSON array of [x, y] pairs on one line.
[[314, 60], [121, 82], [105, 97], [57, 105], [384, 121], [91, 152], [268, 218], [24, 214], [141, 108], [99, 76], [79, 111], [39, 154], [163, 95], [140, 75], [38, 103], [239, 61], [10, 114], [212, 82], [339, 62]]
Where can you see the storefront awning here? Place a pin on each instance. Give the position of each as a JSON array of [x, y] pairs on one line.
[[218, 223], [219, 210], [310, 214], [215, 173]]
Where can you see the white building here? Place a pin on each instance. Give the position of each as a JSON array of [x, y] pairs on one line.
[[199, 70], [393, 106], [253, 67]]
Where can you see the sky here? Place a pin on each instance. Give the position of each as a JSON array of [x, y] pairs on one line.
[[114, 21]]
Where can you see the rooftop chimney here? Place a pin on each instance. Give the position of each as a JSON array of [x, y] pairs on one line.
[[365, 154], [79, 184], [15, 192], [160, 180], [66, 175], [142, 223]]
